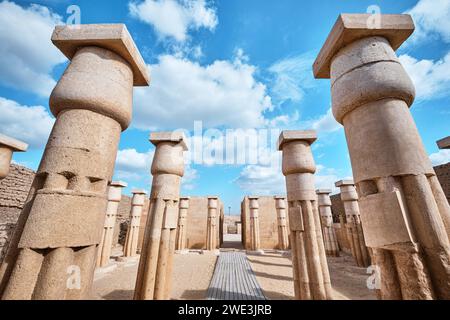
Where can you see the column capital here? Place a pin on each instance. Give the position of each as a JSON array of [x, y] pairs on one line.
[[343, 183], [296, 135], [175, 137], [12, 144], [138, 191], [114, 37], [444, 143], [396, 28], [323, 191], [118, 184]]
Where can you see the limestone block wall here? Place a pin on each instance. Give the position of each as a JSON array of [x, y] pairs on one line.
[[268, 227], [197, 217], [13, 193], [443, 174]]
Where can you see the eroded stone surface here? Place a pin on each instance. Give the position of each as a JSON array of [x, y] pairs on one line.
[[60, 227], [371, 96], [155, 267], [311, 275]]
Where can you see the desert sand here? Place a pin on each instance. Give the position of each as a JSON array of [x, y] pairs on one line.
[[192, 274], [274, 273]]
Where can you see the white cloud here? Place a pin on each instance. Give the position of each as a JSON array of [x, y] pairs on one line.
[[326, 123], [174, 19], [431, 79], [27, 54], [440, 157], [269, 179], [262, 180], [292, 76], [182, 91], [132, 165], [432, 20], [29, 124]]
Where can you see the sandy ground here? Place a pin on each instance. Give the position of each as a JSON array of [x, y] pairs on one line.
[[192, 274], [274, 274]]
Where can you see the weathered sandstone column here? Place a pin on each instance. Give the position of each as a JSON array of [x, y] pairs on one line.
[[283, 235], [155, 267], [311, 276], [52, 254], [404, 212], [7, 147], [131, 239], [211, 233], [106, 241], [255, 239], [329, 235], [181, 244], [353, 227]]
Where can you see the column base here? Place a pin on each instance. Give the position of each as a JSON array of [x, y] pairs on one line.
[[259, 252]]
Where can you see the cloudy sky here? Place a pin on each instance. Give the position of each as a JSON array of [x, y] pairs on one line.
[[231, 64]]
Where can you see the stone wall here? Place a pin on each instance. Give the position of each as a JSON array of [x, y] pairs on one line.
[[268, 224], [443, 174], [13, 194], [197, 219]]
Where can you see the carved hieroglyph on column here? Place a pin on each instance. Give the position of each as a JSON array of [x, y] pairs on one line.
[[7, 147], [182, 224], [155, 267], [255, 239], [404, 212], [52, 254], [353, 226], [329, 235], [311, 275], [211, 232], [131, 239], [105, 247], [283, 234]]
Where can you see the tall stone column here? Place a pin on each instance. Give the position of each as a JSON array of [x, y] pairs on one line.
[[181, 244], [329, 235], [255, 239], [211, 232], [353, 226], [52, 254], [404, 213], [155, 267], [309, 262], [283, 235], [106, 242], [7, 147], [131, 239]]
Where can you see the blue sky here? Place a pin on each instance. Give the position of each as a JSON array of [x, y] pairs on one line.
[[232, 64]]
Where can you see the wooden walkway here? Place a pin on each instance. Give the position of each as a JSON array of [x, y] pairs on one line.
[[234, 279]]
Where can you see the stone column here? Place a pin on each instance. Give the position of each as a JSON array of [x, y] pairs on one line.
[[353, 227], [404, 212], [283, 235], [255, 238], [7, 147], [52, 254], [309, 262], [106, 242], [155, 267], [329, 235], [131, 240], [181, 244], [211, 232]]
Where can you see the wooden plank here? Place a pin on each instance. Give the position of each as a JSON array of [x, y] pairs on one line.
[[234, 279]]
